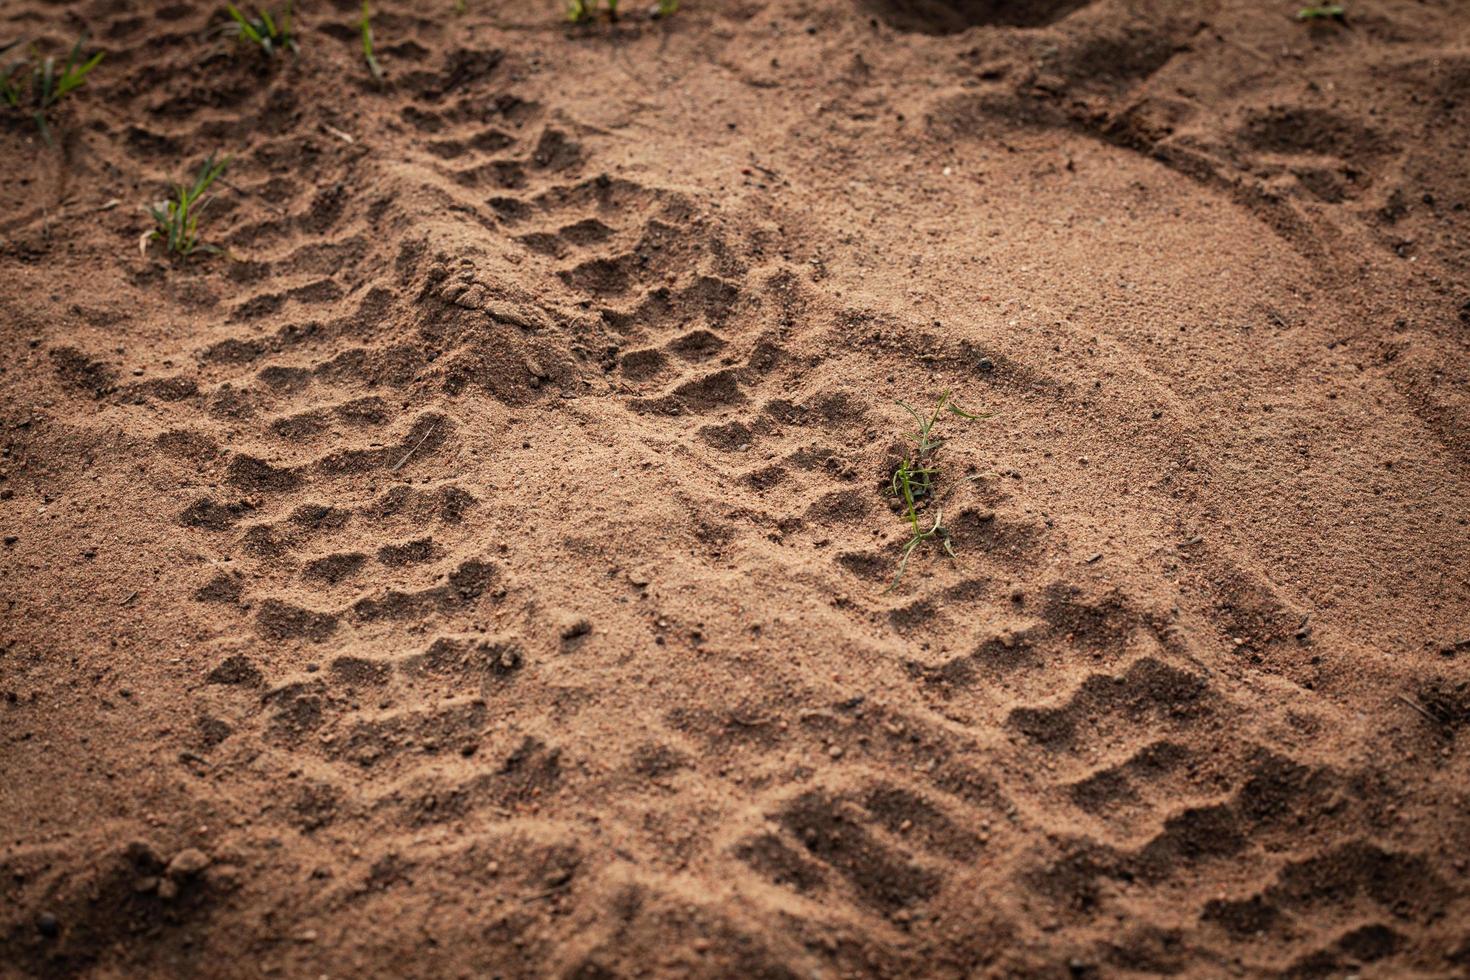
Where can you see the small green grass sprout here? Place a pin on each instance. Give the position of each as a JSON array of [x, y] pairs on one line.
[[40, 84], [583, 11], [913, 482], [1322, 11], [268, 32], [11, 74], [367, 41], [176, 220]]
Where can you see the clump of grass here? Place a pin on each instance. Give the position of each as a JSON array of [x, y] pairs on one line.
[[11, 88], [582, 11], [914, 482], [367, 41], [11, 74], [39, 84], [268, 32], [176, 220], [1322, 11]]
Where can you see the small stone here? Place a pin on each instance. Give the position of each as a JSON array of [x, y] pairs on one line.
[[48, 925], [574, 629], [472, 298], [835, 751], [187, 863]]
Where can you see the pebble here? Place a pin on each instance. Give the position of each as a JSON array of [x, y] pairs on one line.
[[187, 863], [577, 627]]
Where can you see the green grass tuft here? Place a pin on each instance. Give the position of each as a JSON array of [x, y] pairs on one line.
[[583, 11], [367, 41], [268, 32], [1323, 11], [913, 482], [176, 220], [12, 76], [38, 84]]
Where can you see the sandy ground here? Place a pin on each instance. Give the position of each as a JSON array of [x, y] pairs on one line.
[[482, 569]]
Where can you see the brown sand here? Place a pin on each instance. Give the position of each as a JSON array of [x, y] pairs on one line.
[[481, 571]]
